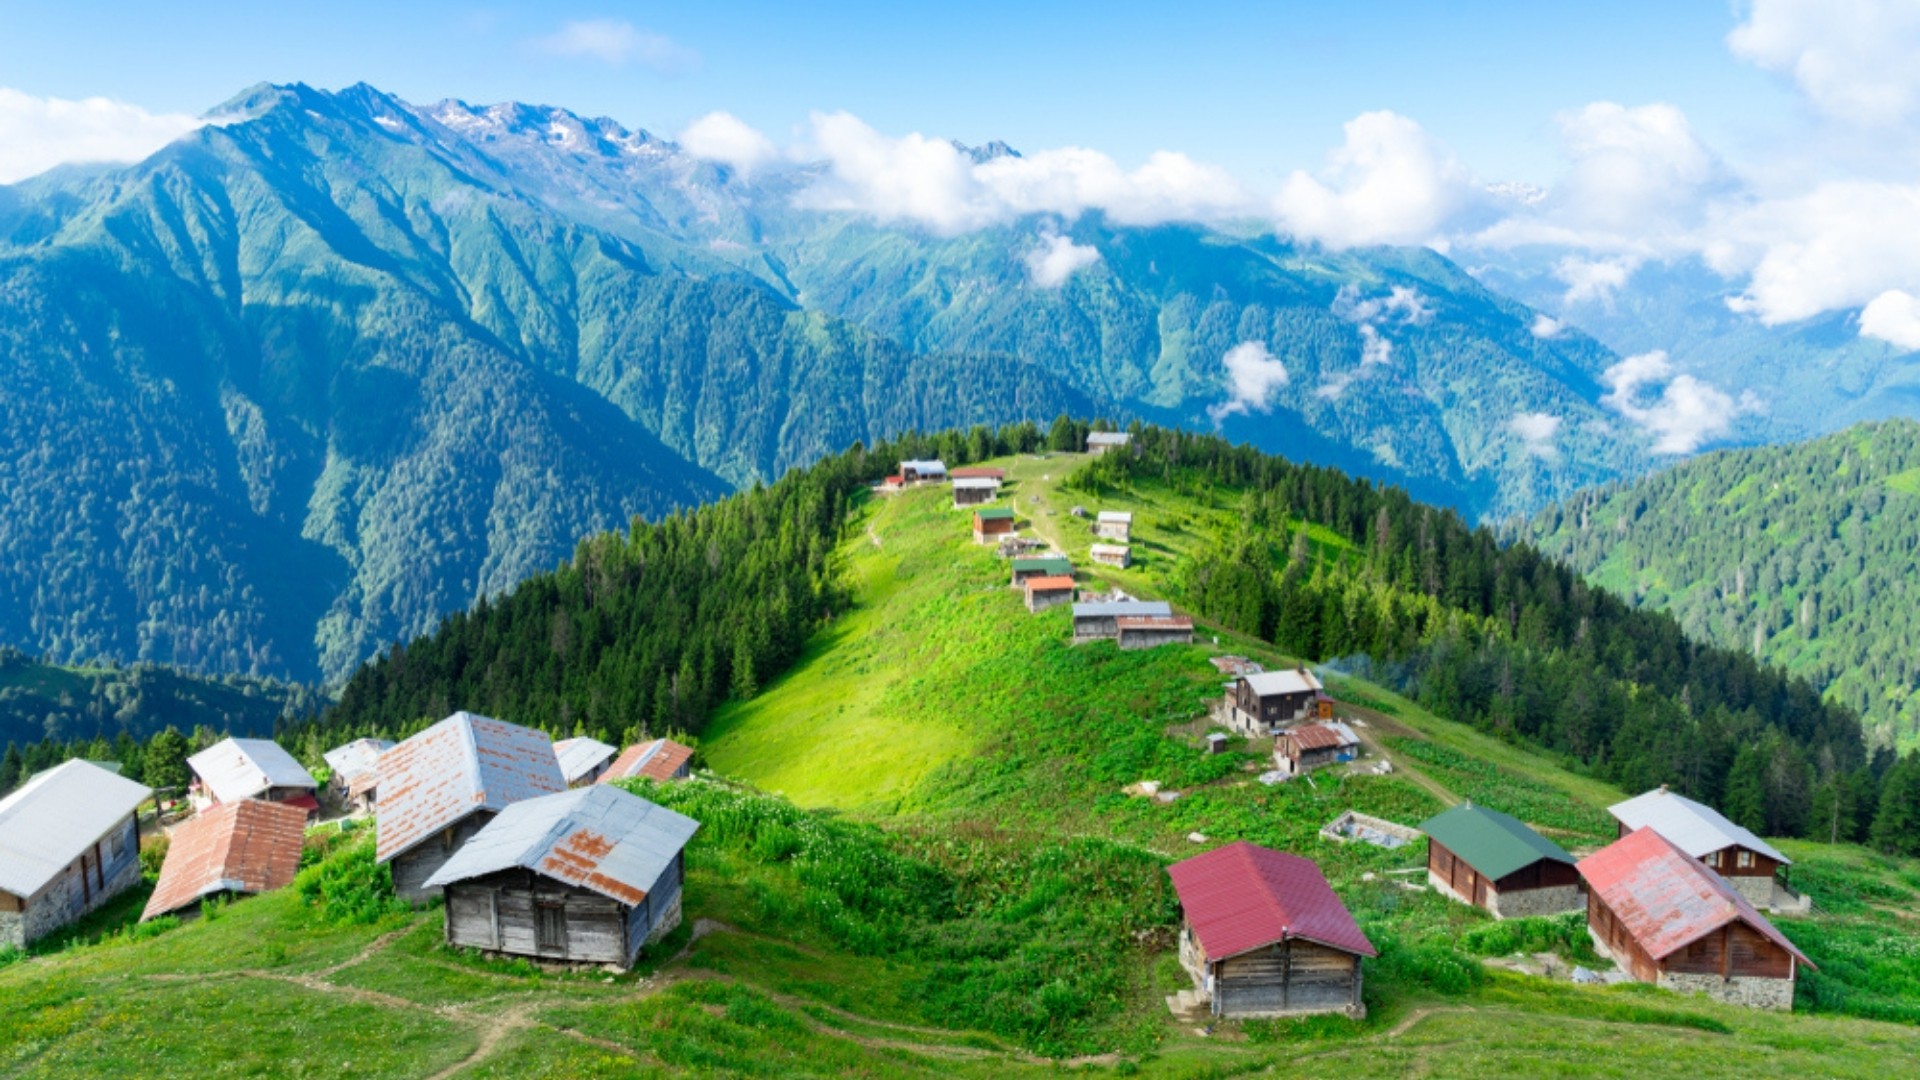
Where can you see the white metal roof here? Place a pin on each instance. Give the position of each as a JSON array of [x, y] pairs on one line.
[[1108, 438], [580, 756], [57, 815], [1108, 549], [235, 769], [356, 757], [931, 466], [599, 837], [1694, 828], [976, 483], [1290, 681], [1135, 609], [1116, 517]]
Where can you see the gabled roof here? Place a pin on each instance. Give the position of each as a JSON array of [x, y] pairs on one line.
[[1323, 736], [1243, 896], [1123, 609], [1665, 898], [235, 769], [248, 846], [994, 513], [1044, 563], [1108, 438], [930, 466], [1049, 583], [1491, 842], [1154, 622], [460, 765], [357, 757], [1694, 828], [978, 472], [597, 837], [55, 816], [1116, 517], [658, 760], [975, 483], [580, 756], [1290, 681]]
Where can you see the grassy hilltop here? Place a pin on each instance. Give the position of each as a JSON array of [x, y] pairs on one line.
[[916, 858]]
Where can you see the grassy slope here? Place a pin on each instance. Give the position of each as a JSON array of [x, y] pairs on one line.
[[1011, 738]]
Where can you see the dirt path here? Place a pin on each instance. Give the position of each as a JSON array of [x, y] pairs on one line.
[[1378, 722]]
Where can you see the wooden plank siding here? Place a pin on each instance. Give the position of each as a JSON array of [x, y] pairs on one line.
[[524, 913], [1289, 976], [412, 868]]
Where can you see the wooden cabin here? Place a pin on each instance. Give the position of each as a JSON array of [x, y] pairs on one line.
[[582, 759], [1041, 566], [974, 491], [1118, 556], [440, 787], [1495, 862], [1264, 935], [1152, 631], [1311, 746], [992, 523], [1666, 919], [923, 472], [1116, 525], [69, 843], [1751, 865], [235, 769], [232, 849], [661, 759], [591, 875], [1046, 592], [1101, 619], [355, 782], [1259, 703], [1100, 442]]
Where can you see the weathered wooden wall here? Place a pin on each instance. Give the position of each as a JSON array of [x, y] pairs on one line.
[[1290, 977], [412, 868]]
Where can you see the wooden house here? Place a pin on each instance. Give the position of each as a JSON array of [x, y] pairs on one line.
[[1750, 864], [974, 491], [582, 760], [1151, 631], [440, 787], [1046, 592], [69, 842], [1041, 566], [1264, 935], [991, 523], [661, 759], [231, 849], [923, 472], [590, 875], [1118, 556], [235, 769], [1666, 919], [1100, 442], [1260, 703], [1494, 861], [1101, 619], [1308, 747], [1116, 525], [355, 783]]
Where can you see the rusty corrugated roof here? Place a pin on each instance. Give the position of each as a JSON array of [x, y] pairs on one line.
[[657, 760], [1665, 898], [597, 837], [248, 846], [1050, 583], [979, 472], [1244, 896], [1322, 736], [462, 764]]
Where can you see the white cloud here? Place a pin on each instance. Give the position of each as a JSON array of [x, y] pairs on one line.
[[39, 133], [1838, 246], [1388, 183], [1893, 316], [1536, 431], [1332, 386], [1058, 258], [1854, 59], [1375, 349], [1253, 376], [931, 182], [723, 137], [1633, 169], [1680, 411], [1546, 327], [1402, 302], [1593, 279], [616, 43]]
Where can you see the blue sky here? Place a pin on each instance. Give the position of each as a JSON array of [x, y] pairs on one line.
[[1259, 89]]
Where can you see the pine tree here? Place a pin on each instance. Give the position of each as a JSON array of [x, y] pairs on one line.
[[13, 768], [166, 761], [1745, 801], [1896, 826]]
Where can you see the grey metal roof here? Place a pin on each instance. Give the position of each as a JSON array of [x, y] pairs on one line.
[[600, 838], [1115, 609], [235, 769], [931, 466], [356, 757], [1108, 438], [1692, 827], [1290, 681], [580, 756], [460, 765], [57, 815], [1116, 517], [976, 483]]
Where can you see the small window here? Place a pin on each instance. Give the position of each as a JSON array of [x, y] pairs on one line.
[[1745, 859]]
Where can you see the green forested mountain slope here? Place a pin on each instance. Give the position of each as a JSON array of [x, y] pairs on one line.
[[1808, 556]]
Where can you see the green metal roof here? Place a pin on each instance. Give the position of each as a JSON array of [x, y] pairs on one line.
[[1044, 563], [1491, 842], [1000, 514]]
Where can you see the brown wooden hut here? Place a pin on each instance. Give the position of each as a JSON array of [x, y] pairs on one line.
[[1495, 862]]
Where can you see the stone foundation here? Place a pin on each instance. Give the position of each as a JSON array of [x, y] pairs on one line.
[[13, 930], [1767, 894], [668, 921], [1527, 903], [1749, 990]]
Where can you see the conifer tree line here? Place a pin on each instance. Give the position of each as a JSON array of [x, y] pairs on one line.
[[1503, 638]]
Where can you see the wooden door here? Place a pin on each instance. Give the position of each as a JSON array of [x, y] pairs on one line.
[[550, 928]]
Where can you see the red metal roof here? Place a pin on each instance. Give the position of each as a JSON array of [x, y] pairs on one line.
[[1244, 896], [978, 472], [1666, 899], [660, 759], [247, 846], [1050, 583]]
